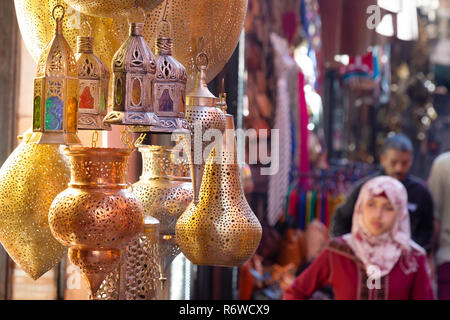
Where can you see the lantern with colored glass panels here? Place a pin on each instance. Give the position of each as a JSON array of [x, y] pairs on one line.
[[93, 82], [55, 104], [169, 87], [133, 68]]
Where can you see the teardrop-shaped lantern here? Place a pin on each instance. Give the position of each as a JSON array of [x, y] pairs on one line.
[[97, 215], [202, 114], [221, 229], [55, 104], [93, 82], [30, 179]]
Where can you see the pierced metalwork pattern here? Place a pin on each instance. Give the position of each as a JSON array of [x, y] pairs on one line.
[[164, 196], [219, 21], [168, 251], [136, 278], [109, 289], [30, 179], [111, 8], [96, 214], [206, 118], [141, 266], [221, 229]]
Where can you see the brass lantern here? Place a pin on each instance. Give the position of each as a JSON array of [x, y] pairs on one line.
[[32, 176], [169, 88], [55, 104], [165, 191], [133, 74], [221, 229], [93, 77], [201, 112]]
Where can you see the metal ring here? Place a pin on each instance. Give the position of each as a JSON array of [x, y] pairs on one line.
[[158, 29], [197, 63], [63, 11]]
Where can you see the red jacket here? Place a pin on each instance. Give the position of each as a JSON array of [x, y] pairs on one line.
[[338, 266]]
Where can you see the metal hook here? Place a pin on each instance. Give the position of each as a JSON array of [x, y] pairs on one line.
[[165, 11], [164, 20], [63, 12], [140, 9], [86, 22], [202, 46]]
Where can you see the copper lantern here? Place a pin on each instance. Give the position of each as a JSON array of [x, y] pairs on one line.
[[55, 104], [96, 216]]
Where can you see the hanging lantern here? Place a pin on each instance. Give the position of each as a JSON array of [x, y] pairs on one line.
[[136, 277], [93, 84], [133, 74], [169, 88], [220, 230], [201, 112], [96, 216], [26, 193], [55, 105], [165, 191]]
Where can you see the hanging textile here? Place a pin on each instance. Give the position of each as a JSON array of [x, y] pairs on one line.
[[279, 182]]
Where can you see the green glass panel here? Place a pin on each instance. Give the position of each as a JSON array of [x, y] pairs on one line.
[[119, 92], [37, 113]]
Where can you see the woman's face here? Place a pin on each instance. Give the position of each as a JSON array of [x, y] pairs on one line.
[[378, 215]]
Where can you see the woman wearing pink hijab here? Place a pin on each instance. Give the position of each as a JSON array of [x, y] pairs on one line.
[[377, 260]]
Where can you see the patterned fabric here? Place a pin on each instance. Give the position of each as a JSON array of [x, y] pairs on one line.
[[382, 251], [279, 182], [304, 165]]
